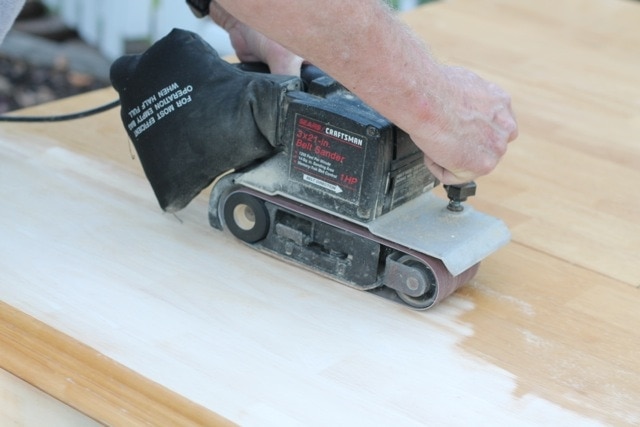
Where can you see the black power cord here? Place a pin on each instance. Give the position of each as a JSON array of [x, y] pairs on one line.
[[61, 117]]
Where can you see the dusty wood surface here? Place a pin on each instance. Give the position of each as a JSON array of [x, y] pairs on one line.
[[548, 332], [23, 405]]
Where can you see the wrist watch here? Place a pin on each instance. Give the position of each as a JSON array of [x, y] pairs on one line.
[[200, 8]]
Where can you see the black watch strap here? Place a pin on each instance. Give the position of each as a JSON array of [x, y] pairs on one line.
[[200, 8]]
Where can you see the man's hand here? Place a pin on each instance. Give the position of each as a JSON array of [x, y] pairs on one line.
[[470, 130], [461, 122]]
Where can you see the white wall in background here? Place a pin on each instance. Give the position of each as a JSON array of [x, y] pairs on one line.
[[107, 25]]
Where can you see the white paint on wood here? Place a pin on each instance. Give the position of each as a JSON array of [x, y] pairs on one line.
[[85, 248], [22, 405]]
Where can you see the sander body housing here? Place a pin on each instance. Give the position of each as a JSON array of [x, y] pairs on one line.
[[348, 196], [318, 178]]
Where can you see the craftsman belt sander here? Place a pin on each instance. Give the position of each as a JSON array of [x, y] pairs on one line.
[[303, 171]]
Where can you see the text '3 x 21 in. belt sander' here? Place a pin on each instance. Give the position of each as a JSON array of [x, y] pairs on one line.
[[319, 178]]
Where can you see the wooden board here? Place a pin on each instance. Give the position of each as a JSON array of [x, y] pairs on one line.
[[23, 405], [547, 333]]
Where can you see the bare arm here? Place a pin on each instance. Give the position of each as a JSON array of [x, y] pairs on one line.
[[461, 122]]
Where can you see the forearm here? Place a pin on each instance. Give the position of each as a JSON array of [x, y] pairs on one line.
[[374, 56]]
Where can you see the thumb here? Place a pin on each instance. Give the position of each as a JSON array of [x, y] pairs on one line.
[[287, 64]]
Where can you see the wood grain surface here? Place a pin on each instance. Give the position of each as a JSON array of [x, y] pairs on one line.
[[106, 300], [21, 404]]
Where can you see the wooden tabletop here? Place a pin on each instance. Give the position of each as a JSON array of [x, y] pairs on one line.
[[133, 316]]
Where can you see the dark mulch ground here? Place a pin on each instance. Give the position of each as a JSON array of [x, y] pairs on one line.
[[23, 84]]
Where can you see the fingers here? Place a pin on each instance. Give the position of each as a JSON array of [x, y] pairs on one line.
[[250, 45], [280, 59], [479, 126], [464, 158], [446, 176], [511, 125], [471, 161], [288, 64], [505, 119]]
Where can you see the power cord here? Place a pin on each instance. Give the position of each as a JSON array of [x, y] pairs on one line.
[[61, 117]]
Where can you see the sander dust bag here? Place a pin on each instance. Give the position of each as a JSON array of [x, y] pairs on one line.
[[192, 116]]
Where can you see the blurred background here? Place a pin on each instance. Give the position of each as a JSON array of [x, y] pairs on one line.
[[59, 48]]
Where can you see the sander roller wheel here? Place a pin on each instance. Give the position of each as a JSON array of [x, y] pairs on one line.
[[246, 217], [421, 274]]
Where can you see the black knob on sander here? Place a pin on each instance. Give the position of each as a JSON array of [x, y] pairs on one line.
[[459, 193]]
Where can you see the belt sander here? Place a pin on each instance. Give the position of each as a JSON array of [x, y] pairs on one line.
[[302, 170]]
